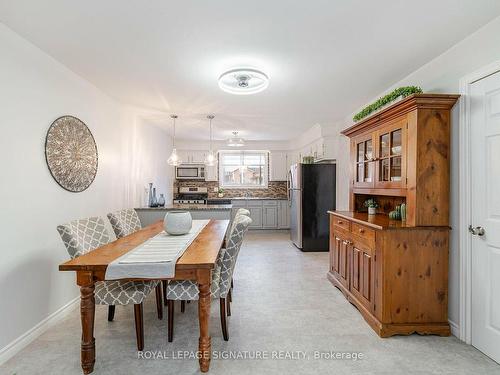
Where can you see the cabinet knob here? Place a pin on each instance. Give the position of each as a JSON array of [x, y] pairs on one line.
[[361, 230], [339, 222]]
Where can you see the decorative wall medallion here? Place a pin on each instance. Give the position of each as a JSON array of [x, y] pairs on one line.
[[71, 153]]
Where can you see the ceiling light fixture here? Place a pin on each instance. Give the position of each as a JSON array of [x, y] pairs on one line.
[[174, 158], [211, 158], [235, 141], [243, 81]]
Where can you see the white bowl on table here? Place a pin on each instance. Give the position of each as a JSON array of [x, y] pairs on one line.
[[177, 223]]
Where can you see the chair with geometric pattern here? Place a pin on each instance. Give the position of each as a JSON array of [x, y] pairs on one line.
[[187, 290], [84, 235], [124, 222]]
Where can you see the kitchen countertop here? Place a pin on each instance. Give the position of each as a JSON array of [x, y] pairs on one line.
[[190, 207], [250, 198]]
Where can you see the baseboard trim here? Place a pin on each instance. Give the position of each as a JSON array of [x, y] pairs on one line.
[[10, 350], [455, 328]]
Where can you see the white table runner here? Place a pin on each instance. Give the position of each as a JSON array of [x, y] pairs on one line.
[[155, 258]]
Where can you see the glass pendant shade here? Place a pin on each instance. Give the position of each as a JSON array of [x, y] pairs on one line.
[[210, 159], [174, 157]]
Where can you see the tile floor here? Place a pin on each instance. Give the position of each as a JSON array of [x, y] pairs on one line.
[[282, 302]]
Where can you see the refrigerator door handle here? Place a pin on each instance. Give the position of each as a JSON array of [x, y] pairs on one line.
[[288, 186]]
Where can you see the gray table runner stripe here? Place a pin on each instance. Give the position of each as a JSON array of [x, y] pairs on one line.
[[155, 258]]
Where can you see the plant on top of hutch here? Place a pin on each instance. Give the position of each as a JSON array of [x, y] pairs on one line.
[[396, 271], [372, 205]]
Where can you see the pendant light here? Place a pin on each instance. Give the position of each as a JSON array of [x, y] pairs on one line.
[[174, 158], [211, 158], [235, 141]]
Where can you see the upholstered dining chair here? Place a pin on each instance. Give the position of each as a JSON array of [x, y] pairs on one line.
[[241, 211], [84, 235], [125, 222], [187, 290]]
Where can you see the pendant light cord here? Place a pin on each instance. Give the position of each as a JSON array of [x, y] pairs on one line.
[[173, 117]]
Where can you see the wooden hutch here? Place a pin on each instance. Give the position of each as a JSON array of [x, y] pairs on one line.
[[394, 272]]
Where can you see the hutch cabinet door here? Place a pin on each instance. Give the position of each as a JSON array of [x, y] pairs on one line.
[[363, 274], [391, 151], [363, 161], [340, 260]]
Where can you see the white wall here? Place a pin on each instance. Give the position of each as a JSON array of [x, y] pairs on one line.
[[34, 91], [441, 75]]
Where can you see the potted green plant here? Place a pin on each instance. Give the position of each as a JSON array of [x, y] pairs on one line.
[[220, 192], [372, 205]]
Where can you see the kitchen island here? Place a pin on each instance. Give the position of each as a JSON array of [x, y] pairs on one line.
[[149, 215]]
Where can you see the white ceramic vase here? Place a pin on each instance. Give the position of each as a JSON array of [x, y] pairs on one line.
[[372, 210], [177, 222]]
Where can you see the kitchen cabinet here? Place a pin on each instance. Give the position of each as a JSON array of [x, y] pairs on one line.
[[237, 204], [278, 166], [192, 156], [256, 216], [270, 214], [265, 213], [284, 215], [211, 173]]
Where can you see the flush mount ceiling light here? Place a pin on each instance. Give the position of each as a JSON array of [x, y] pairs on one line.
[[243, 81], [235, 141]]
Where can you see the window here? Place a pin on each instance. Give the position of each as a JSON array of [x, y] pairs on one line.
[[243, 169]]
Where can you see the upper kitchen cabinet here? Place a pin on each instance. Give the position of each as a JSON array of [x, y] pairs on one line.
[[192, 156], [278, 166], [404, 152], [211, 173]]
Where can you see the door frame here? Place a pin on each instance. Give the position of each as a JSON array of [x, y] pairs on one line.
[[465, 199]]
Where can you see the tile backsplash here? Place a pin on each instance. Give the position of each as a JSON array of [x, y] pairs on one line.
[[276, 189]]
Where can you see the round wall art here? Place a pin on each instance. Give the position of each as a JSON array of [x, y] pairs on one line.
[[71, 153]]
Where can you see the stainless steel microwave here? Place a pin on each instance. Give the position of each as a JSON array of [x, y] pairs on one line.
[[190, 172]]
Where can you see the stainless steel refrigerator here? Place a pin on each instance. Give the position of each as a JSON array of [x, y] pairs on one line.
[[311, 193]]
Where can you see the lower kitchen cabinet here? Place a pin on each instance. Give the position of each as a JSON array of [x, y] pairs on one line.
[[270, 217], [283, 215], [265, 213], [256, 216]]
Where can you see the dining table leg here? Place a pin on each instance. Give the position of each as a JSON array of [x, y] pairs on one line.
[[204, 279], [85, 281]]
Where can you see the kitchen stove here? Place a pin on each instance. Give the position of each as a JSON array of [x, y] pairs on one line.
[[192, 195]]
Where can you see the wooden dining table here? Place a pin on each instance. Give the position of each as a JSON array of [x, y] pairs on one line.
[[196, 264]]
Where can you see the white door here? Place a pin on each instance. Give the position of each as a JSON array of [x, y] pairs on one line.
[[485, 143]]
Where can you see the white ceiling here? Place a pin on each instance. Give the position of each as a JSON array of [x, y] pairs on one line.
[[325, 58]]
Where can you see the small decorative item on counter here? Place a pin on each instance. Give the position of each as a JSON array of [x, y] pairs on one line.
[[154, 202], [403, 212], [308, 160], [177, 222], [220, 193], [372, 205], [150, 198], [161, 201], [396, 214]]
